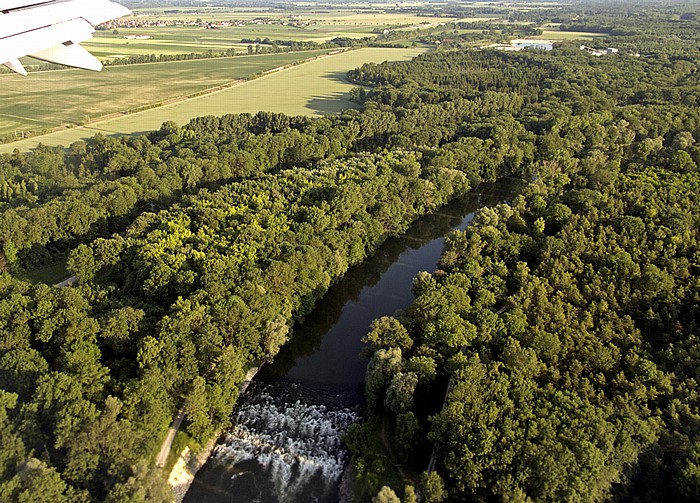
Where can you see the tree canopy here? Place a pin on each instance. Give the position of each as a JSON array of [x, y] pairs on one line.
[[562, 324], [565, 321]]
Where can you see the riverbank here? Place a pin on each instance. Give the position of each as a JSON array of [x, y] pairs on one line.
[[287, 439], [189, 463], [186, 467]]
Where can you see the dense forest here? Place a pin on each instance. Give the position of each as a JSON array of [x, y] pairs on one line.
[[563, 325], [561, 328], [196, 249], [178, 303]]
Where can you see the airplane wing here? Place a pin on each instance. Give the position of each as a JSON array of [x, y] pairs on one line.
[[51, 30]]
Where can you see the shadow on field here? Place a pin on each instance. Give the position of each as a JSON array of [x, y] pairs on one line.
[[333, 103], [340, 76], [135, 133], [115, 134]]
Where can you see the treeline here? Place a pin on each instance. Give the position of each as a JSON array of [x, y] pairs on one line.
[[299, 45], [564, 325], [161, 58]]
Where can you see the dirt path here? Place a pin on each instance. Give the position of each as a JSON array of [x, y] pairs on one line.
[[67, 282], [392, 455], [168, 442]]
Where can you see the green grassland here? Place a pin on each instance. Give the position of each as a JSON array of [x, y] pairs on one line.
[[315, 88], [49, 274]]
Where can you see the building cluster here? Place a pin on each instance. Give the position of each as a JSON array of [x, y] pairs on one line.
[[599, 52], [161, 23], [546, 45], [149, 21], [520, 44]]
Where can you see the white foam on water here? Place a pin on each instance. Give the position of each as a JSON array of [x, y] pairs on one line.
[[294, 442]]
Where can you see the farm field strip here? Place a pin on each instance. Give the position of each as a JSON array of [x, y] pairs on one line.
[[163, 44], [314, 88], [172, 39], [73, 96], [549, 34]]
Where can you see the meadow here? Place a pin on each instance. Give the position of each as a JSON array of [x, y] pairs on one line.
[[315, 88]]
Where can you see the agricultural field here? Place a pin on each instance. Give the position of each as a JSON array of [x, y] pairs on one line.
[[315, 88], [79, 97], [187, 39], [554, 34], [49, 99], [188, 35]]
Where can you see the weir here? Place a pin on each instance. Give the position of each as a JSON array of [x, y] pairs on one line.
[[285, 445], [282, 436]]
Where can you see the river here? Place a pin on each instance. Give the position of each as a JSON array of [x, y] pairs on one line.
[[285, 443]]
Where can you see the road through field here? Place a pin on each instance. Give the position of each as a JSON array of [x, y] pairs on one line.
[[315, 88]]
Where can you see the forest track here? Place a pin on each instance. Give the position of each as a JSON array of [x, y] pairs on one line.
[[168, 441], [392, 455]]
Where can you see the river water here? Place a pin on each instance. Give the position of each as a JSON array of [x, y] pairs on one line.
[[285, 443]]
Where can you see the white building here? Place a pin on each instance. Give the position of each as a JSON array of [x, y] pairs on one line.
[[524, 43], [599, 52]]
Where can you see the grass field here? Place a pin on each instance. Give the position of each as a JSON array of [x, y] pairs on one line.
[[569, 35], [48, 99], [50, 274], [314, 88]]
